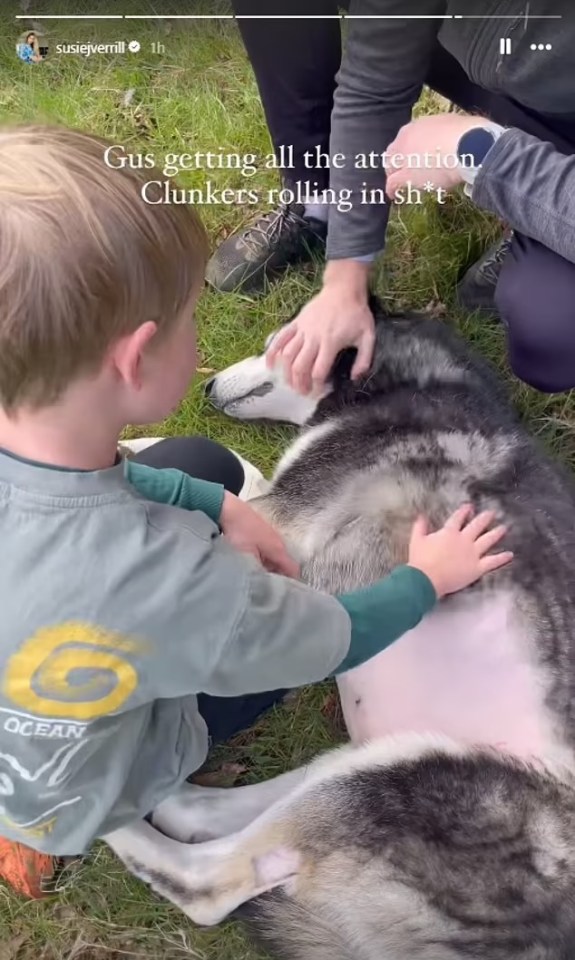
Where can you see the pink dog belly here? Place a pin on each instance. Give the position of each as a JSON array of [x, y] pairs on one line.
[[464, 672]]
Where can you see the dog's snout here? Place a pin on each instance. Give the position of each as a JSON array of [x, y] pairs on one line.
[[209, 386]]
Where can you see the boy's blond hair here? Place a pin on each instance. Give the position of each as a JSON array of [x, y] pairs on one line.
[[83, 260]]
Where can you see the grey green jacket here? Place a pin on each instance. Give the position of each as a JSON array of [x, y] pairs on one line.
[[526, 181], [120, 603]]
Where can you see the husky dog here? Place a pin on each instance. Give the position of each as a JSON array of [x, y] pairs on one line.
[[446, 829]]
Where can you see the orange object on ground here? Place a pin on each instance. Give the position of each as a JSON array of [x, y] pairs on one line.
[[26, 871]]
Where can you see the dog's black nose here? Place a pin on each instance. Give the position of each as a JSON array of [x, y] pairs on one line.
[[209, 385]]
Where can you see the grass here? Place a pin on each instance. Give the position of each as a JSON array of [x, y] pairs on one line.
[[200, 95]]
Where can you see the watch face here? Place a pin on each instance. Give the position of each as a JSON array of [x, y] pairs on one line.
[[474, 146]]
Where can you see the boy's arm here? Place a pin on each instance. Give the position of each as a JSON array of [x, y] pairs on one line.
[[176, 488], [383, 612], [225, 627], [231, 628], [298, 633], [289, 634]]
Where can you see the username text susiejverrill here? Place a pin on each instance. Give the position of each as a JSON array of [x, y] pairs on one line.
[[91, 49]]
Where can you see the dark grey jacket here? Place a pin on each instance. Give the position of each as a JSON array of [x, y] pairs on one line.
[[526, 181]]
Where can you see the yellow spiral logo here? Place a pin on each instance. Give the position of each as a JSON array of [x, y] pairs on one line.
[[44, 675]]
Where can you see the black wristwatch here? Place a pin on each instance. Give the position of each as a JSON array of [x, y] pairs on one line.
[[472, 149]]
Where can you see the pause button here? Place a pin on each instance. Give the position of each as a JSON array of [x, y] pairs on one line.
[[505, 45]]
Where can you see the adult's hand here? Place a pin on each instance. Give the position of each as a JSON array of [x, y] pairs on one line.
[[336, 318], [438, 135]]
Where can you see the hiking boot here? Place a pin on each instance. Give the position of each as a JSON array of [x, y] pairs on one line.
[[266, 247], [476, 291]]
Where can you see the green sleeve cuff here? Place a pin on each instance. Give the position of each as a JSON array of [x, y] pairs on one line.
[[383, 612], [176, 488]]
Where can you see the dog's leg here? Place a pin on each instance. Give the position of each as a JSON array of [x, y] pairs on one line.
[[193, 814], [208, 881], [280, 848]]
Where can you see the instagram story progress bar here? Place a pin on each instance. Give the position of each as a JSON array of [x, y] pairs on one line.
[[505, 43], [281, 16]]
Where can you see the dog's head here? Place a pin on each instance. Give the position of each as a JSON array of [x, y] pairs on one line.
[[250, 390], [409, 350]]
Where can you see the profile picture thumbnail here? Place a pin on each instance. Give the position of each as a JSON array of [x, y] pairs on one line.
[[29, 49]]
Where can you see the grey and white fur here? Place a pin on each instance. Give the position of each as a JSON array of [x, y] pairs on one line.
[[446, 829]]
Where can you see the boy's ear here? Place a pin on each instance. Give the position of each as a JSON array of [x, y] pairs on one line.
[[127, 353]]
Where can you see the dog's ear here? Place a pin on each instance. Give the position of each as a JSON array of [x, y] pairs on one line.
[[376, 307], [345, 360], [341, 372]]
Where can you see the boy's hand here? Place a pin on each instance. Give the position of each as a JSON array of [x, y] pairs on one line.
[[250, 533], [454, 557]]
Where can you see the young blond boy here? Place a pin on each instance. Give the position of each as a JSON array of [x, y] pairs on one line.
[[132, 630]]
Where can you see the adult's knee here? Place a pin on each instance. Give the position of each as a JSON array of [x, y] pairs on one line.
[[199, 457], [535, 298]]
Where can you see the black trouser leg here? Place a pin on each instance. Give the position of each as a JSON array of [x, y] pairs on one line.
[[295, 63], [198, 456]]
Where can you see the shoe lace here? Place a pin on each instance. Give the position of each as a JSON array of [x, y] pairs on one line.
[[270, 226], [491, 266], [502, 250]]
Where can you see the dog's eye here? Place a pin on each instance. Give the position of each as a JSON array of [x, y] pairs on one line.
[[262, 390]]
